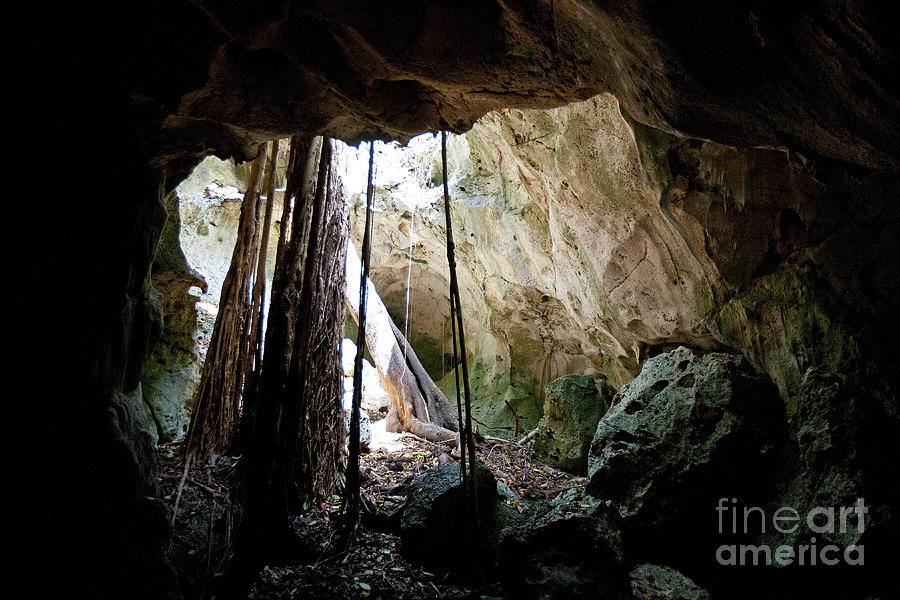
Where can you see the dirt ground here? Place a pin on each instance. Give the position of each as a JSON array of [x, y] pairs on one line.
[[374, 567]]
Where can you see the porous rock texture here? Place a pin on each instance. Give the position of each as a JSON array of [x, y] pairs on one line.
[[688, 430], [438, 527], [571, 547], [695, 440], [134, 95], [839, 461], [655, 582]]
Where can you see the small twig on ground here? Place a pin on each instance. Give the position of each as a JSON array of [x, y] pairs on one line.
[[528, 437]]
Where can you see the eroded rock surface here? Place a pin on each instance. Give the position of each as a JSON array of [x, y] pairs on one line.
[[587, 242], [744, 76], [437, 526], [689, 429], [568, 263], [839, 463], [655, 582], [154, 87], [172, 371], [571, 549]]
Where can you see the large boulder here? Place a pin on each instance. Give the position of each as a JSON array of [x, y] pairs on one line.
[[840, 425], [688, 430], [573, 405], [437, 527], [840, 469], [571, 549]]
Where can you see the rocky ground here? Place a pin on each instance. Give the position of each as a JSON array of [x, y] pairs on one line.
[[374, 567], [692, 431]]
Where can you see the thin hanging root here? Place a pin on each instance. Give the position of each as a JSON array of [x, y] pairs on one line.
[[412, 229], [351, 495], [462, 427], [456, 305], [187, 468]]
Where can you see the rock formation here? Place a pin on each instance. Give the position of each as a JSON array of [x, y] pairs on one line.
[[655, 582], [572, 406], [688, 430], [592, 242], [572, 548], [795, 105]]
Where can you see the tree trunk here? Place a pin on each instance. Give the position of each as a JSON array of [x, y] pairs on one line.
[[258, 304], [316, 366], [216, 414], [294, 447], [417, 404]]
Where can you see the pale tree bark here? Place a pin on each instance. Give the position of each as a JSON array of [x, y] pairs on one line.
[[417, 404]]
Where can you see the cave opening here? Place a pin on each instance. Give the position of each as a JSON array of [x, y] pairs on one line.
[[675, 229], [561, 219]]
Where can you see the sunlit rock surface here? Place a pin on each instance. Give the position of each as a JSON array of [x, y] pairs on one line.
[[587, 242], [573, 405]]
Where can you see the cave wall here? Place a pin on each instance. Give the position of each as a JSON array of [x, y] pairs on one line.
[[85, 510], [588, 242], [172, 370], [566, 258], [745, 73], [800, 245]]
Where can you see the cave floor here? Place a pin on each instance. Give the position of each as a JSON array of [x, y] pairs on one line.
[[374, 567]]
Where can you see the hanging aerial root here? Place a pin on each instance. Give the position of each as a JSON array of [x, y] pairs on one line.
[[351, 490], [456, 306]]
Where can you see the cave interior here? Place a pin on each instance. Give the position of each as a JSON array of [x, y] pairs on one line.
[[692, 204]]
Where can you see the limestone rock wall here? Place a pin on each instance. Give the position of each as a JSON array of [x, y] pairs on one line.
[[588, 242], [568, 264]]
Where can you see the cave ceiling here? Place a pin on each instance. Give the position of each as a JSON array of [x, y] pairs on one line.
[[819, 78]]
